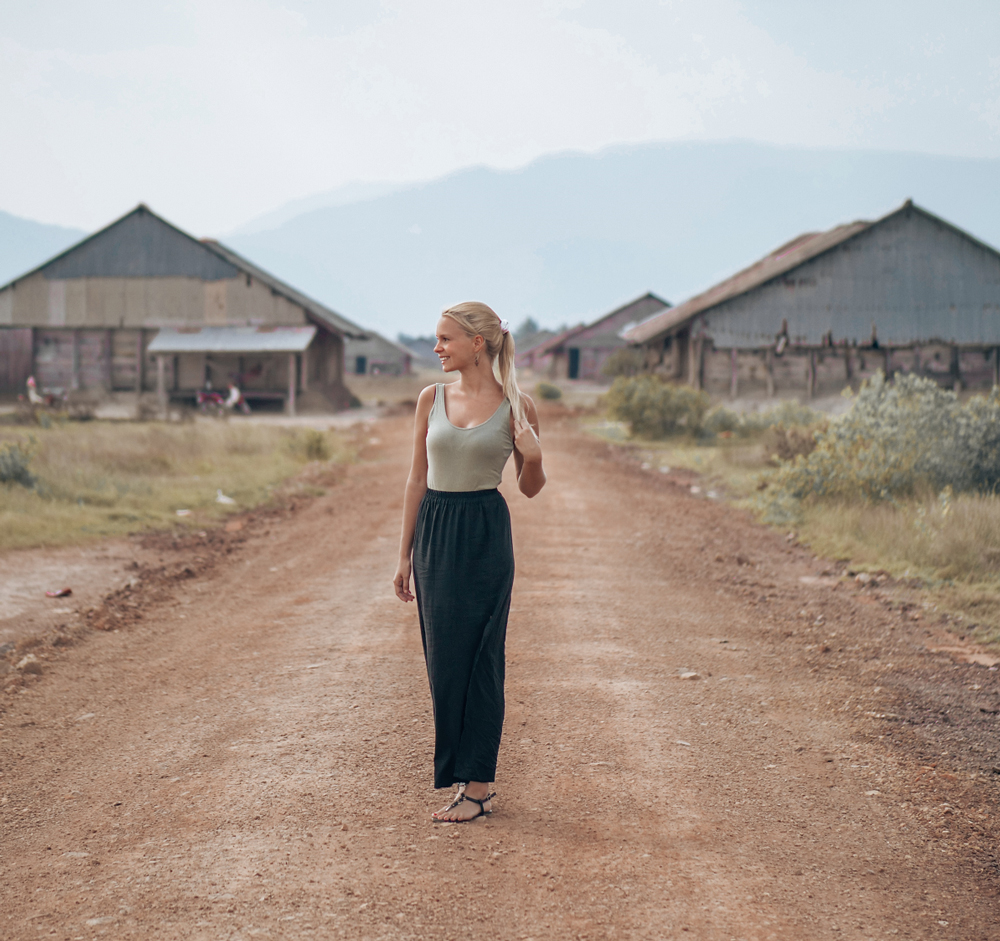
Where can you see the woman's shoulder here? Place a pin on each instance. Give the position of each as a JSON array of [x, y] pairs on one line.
[[427, 394]]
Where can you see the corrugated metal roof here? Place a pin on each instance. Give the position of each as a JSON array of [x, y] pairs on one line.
[[233, 340], [781, 260], [142, 244], [319, 311]]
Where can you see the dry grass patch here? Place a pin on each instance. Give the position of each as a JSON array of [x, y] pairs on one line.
[[99, 479]]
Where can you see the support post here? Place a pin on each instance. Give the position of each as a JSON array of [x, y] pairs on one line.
[[996, 365], [108, 352], [769, 371], [811, 375], [734, 373], [74, 382], [161, 384], [696, 349], [291, 383], [138, 367]]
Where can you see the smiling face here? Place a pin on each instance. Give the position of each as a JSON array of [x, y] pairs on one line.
[[454, 347]]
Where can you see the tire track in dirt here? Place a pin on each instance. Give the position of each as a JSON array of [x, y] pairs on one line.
[[255, 757]]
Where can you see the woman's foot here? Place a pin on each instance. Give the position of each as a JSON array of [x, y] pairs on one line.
[[472, 800]]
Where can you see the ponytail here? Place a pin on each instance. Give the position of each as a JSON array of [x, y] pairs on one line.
[[508, 376]]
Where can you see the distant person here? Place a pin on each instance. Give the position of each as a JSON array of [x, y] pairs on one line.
[[235, 400], [33, 397], [456, 527]]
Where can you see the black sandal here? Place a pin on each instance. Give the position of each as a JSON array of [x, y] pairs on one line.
[[483, 812]]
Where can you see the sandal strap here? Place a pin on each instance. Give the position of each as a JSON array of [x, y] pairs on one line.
[[481, 801]]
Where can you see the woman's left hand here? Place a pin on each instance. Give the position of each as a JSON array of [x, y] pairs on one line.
[[527, 443]]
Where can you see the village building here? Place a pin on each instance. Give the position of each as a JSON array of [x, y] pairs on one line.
[[908, 292], [143, 307], [580, 352], [377, 356]]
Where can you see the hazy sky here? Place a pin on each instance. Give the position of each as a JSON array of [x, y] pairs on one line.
[[213, 111]]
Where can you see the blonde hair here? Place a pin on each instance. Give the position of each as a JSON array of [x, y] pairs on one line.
[[477, 319]]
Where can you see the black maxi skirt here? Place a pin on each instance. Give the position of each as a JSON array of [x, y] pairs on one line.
[[463, 572]]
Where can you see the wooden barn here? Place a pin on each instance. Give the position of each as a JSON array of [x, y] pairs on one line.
[[908, 292], [579, 353], [87, 321]]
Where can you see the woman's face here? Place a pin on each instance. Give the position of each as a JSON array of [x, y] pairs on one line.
[[454, 347]]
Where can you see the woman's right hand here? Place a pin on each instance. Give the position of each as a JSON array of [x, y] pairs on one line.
[[401, 580]]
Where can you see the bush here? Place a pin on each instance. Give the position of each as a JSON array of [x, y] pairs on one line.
[[315, 446], [747, 424], [626, 361], [898, 439], [545, 390], [14, 465], [655, 409]]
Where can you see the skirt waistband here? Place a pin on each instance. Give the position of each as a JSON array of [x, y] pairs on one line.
[[462, 496]]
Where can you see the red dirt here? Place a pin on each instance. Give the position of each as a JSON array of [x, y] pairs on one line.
[[246, 750]]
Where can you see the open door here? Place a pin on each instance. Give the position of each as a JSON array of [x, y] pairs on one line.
[[574, 363]]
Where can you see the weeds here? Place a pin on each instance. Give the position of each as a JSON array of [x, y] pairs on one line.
[[14, 459], [897, 439], [656, 409], [102, 478]]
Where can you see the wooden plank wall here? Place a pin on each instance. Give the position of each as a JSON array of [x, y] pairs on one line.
[[15, 360]]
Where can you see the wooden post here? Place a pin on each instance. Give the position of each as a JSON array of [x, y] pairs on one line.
[[302, 361], [996, 365], [734, 374], [696, 350], [138, 367], [291, 383], [769, 371], [74, 382], [161, 384], [108, 351], [811, 375]]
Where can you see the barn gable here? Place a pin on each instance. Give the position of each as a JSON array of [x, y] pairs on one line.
[[907, 278], [139, 245], [908, 292]]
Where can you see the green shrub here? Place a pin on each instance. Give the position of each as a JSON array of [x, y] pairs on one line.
[[545, 390], [626, 361], [748, 424], [315, 446], [14, 465], [655, 409], [898, 439]]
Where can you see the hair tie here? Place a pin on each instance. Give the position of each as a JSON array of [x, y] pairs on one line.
[[504, 326]]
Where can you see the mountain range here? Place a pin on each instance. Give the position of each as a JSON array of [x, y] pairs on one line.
[[571, 235]]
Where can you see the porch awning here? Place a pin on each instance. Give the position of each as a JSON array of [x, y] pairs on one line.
[[233, 340]]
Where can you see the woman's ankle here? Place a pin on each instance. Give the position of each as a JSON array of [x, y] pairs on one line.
[[477, 790]]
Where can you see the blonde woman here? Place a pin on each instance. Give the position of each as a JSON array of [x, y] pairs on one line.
[[456, 543]]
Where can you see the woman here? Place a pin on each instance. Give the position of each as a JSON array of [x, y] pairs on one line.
[[456, 527]]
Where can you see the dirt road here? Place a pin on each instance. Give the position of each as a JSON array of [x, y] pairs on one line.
[[249, 754]]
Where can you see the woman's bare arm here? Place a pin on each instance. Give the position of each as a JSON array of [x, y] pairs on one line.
[[528, 452], [416, 487]]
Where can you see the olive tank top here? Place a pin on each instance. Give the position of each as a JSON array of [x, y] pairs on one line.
[[461, 459]]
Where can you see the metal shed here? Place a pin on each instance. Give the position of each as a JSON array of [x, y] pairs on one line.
[[580, 352], [908, 292], [85, 319]]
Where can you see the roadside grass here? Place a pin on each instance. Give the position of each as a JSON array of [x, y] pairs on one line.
[[951, 544], [100, 479]]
